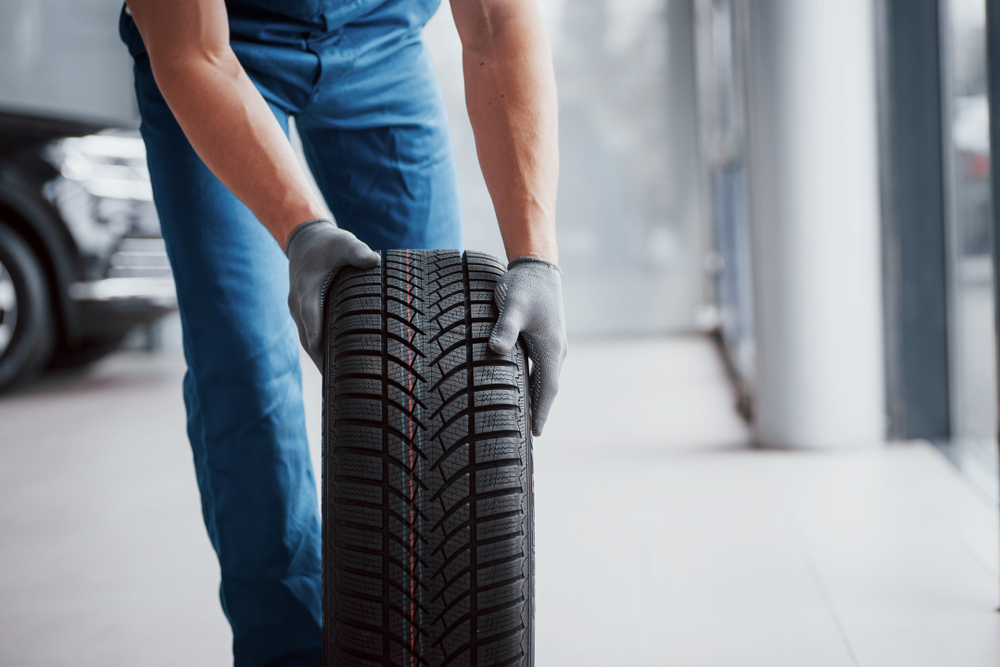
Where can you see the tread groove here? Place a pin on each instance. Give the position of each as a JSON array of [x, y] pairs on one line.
[[475, 364]]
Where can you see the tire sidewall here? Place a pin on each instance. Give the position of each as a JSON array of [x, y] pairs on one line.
[[32, 339]]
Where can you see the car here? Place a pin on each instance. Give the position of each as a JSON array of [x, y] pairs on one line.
[[82, 259]]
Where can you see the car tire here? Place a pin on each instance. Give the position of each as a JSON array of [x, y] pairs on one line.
[[85, 352], [428, 528], [27, 323]]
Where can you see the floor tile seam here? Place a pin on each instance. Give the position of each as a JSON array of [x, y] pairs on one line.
[[930, 509], [816, 575], [965, 480]]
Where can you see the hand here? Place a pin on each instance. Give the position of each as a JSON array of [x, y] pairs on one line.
[[316, 251], [529, 297]]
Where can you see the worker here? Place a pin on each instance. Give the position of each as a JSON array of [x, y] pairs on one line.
[[216, 83]]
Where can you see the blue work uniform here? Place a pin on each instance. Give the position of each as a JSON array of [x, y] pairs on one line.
[[358, 80]]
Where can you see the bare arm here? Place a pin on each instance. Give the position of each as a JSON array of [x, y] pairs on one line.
[[510, 93], [222, 113]]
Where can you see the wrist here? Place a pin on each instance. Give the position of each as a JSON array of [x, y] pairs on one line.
[[544, 250], [286, 219]]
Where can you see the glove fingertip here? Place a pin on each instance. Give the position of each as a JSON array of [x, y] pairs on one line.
[[499, 349], [366, 259], [497, 346], [543, 394], [539, 417], [503, 339]]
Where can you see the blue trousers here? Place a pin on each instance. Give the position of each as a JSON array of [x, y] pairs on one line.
[[370, 115]]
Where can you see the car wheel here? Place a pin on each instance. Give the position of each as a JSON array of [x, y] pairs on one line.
[[26, 323], [428, 519]]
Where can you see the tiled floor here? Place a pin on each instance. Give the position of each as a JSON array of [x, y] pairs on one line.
[[662, 538]]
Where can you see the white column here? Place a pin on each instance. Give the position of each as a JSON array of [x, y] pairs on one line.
[[815, 223]]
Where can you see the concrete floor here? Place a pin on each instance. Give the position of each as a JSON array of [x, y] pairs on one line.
[[662, 538]]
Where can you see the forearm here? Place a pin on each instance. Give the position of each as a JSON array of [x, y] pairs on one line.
[[511, 98], [222, 113], [234, 132]]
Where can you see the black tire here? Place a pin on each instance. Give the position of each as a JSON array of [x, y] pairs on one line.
[[85, 352], [428, 542], [28, 343]]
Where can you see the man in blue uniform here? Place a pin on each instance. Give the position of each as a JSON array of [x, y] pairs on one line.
[[216, 81]]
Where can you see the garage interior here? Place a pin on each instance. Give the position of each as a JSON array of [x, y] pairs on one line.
[[775, 441]]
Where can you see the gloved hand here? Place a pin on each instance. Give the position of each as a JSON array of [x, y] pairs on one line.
[[316, 251], [529, 297]]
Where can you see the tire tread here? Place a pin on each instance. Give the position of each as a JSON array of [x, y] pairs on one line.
[[428, 526]]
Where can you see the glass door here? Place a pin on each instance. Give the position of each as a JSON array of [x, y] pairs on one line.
[[973, 361]]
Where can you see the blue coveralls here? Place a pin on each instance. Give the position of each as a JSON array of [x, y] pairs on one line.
[[358, 80]]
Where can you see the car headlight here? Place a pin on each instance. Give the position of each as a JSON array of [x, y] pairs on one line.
[[103, 193]]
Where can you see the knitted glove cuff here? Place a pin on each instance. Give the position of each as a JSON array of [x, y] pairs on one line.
[[528, 259], [299, 228]]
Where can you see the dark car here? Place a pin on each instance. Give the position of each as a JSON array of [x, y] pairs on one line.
[[82, 261]]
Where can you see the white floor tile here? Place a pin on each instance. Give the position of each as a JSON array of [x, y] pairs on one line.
[[662, 539]]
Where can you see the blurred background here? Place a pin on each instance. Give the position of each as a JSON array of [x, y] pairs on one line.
[[776, 442]]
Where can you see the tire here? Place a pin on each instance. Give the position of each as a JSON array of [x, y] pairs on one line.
[[85, 352], [428, 545], [26, 322]]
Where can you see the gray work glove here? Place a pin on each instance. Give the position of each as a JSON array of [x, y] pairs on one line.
[[316, 251], [529, 297]]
